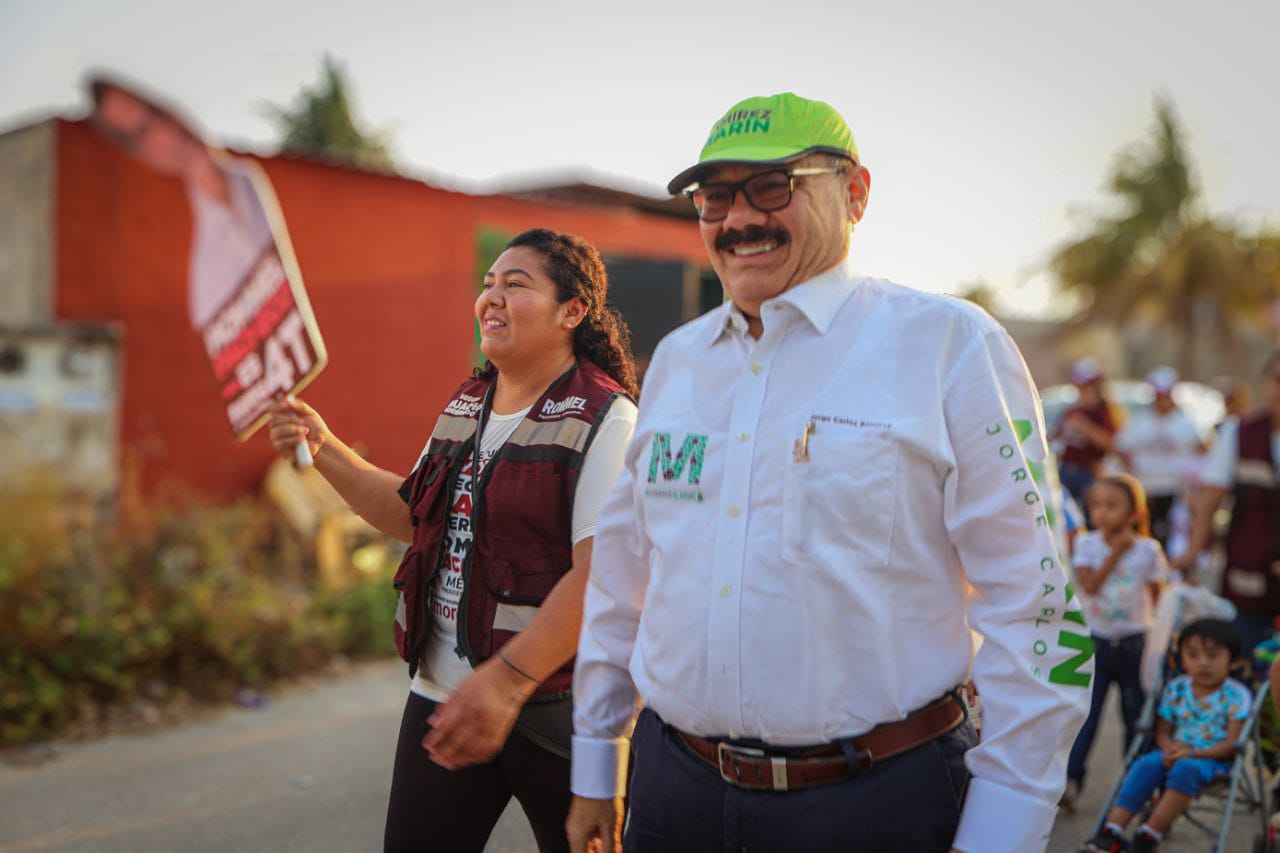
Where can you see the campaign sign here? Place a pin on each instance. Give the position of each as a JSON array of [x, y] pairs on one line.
[[263, 340], [245, 296], [260, 345]]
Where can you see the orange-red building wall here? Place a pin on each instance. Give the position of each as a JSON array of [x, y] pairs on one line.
[[388, 264]]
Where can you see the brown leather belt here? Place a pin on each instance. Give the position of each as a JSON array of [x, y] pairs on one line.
[[787, 769]]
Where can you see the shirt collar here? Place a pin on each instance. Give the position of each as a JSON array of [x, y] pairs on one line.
[[728, 318], [818, 300]]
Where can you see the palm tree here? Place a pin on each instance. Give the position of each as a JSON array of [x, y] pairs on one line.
[[1161, 259], [320, 125], [982, 294]]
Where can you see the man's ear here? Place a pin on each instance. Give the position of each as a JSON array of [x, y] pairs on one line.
[[859, 190]]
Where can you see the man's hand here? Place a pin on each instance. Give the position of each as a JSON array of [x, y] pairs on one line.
[[474, 723], [594, 826]]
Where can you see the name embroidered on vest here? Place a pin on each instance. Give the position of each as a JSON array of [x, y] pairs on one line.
[[569, 405], [521, 514], [464, 405]]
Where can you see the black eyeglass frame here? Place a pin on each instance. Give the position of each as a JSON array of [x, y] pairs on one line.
[[741, 186]]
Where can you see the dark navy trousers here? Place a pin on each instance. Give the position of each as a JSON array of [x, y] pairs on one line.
[[678, 802]]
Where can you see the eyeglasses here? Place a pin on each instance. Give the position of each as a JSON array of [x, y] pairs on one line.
[[766, 192]]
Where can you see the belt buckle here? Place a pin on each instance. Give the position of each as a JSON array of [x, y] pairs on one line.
[[731, 751]]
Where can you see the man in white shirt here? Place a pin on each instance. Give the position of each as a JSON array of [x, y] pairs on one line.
[[832, 480], [1159, 445]]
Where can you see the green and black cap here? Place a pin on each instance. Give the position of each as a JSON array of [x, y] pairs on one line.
[[771, 129]]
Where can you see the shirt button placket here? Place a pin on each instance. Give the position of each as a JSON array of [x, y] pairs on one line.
[[730, 552]]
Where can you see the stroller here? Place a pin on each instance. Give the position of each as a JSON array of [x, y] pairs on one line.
[[1246, 789], [1265, 658]]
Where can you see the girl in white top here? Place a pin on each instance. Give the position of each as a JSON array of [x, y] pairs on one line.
[[1121, 570]]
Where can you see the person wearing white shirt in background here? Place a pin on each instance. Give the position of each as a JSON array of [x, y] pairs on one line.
[[1243, 462], [1157, 446], [832, 480]]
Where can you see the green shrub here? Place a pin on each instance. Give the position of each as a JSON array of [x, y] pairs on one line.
[[195, 602]]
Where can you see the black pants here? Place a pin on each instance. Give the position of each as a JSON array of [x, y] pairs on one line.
[[910, 802], [453, 811]]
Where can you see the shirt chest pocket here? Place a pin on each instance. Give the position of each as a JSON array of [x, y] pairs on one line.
[[839, 497]]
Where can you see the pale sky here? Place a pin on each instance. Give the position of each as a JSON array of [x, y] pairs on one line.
[[984, 124]]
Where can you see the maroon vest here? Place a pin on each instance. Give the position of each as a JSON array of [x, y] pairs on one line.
[[1253, 540], [521, 514]]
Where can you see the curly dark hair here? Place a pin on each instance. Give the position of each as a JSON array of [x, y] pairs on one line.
[[577, 270]]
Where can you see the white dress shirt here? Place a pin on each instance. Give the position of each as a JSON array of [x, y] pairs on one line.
[[747, 586]]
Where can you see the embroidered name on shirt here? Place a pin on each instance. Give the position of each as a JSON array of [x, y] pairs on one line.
[[464, 405], [667, 468], [566, 406], [1052, 615], [851, 422]]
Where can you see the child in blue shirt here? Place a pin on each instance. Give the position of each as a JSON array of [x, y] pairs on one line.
[[1200, 717]]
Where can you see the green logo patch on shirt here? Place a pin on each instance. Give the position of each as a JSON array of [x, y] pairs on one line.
[[666, 468]]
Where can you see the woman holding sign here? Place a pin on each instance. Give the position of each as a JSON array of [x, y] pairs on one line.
[[499, 515]]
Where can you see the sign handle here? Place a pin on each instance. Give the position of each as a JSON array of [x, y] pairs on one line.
[[302, 454]]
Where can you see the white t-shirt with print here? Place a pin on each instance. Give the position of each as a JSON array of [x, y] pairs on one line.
[[442, 667], [1123, 606], [1162, 448]]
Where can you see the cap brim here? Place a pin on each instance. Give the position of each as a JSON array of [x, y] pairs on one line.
[[765, 157]]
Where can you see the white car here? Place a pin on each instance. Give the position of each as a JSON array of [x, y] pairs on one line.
[[1201, 403]]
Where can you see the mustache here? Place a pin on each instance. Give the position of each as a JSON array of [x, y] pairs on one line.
[[753, 234]]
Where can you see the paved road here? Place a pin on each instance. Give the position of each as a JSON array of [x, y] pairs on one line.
[[308, 772]]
